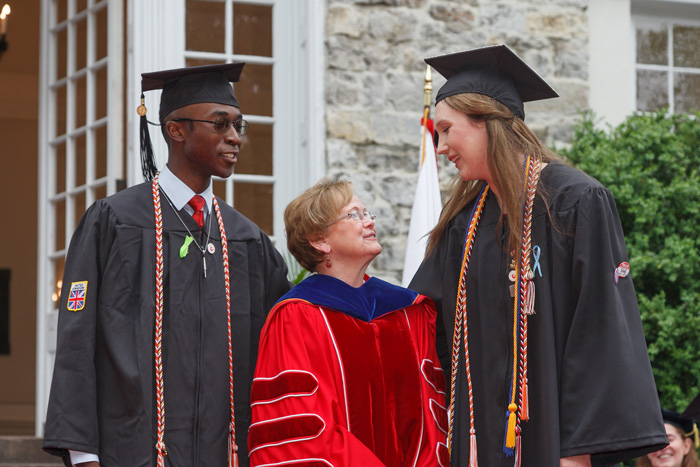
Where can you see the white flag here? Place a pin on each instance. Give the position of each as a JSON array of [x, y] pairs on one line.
[[426, 207]]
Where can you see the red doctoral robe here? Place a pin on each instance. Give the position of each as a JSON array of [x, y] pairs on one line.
[[349, 377]]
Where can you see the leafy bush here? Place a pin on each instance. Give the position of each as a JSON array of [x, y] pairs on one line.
[[650, 163], [295, 273]]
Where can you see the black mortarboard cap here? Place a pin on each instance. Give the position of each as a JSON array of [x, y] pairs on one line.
[[181, 87], [677, 420], [693, 412], [495, 71], [693, 409]]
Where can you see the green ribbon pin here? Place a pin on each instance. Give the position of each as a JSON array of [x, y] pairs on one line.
[[185, 248]]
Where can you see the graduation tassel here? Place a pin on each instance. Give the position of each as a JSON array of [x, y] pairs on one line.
[[510, 429], [232, 448], [524, 403], [473, 459], [696, 436], [529, 308], [148, 164], [518, 456]]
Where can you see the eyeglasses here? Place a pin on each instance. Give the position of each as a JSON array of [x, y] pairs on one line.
[[355, 215], [221, 124]]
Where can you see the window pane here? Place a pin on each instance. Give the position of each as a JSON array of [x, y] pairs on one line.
[[101, 192], [255, 202], [80, 208], [652, 91], [685, 46], [80, 102], [652, 44], [101, 26], [101, 152], [61, 46], [256, 151], [686, 92], [205, 29], [252, 21], [60, 117], [219, 188], [79, 147], [81, 44], [254, 92], [59, 211], [101, 93], [60, 168], [61, 10]]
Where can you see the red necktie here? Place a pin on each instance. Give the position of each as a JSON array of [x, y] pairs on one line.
[[197, 203]]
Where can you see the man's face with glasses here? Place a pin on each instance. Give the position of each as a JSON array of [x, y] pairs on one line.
[[206, 139]]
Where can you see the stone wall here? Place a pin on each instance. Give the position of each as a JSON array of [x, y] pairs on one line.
[[374, 89]]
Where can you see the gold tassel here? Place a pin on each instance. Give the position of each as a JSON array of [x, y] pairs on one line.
[[510, 436], [696, 436]]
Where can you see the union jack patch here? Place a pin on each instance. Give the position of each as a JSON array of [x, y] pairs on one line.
[[76, 297]]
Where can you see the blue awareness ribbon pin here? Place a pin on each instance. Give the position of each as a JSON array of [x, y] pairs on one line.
[[536, 269]]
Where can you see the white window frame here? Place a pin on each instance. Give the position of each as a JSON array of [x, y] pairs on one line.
[[670, 68], [47, 312], [612, 50]]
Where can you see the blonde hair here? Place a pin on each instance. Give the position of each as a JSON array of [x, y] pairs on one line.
[[509, 140], [307, 217]]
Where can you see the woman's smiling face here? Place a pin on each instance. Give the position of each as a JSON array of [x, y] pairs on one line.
[[672, 455], [350, 239], [464, 141]]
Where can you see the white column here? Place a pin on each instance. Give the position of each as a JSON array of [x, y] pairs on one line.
[[611, 60], [155, 41]]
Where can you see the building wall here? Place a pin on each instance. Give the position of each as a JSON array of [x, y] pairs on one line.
[[374, 88]]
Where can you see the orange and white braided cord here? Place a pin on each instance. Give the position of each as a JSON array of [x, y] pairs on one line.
[[527, 299], [461, 332], [233, 448], [158, 345]]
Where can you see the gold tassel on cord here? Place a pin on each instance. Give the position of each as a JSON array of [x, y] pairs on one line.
[[510, 436]]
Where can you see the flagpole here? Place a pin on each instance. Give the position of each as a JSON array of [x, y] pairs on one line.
[[427, 91], [425, 211]]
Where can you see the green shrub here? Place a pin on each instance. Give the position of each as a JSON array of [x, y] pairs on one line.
[[650, 163]]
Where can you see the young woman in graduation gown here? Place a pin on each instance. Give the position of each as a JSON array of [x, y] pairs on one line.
[[347, 373], [556, 377]]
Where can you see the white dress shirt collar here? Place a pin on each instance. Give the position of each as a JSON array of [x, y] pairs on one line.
[[179, 193]]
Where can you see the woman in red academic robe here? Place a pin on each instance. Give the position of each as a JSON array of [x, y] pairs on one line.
[[347, 373]]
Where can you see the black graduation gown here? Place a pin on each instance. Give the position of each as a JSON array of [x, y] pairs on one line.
[[591, 389], [103, 390]]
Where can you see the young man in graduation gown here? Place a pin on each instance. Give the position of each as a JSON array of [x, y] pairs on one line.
[[568, 380], [159, 318]]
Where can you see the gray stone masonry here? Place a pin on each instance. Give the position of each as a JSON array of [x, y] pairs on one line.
[[374, 89]]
